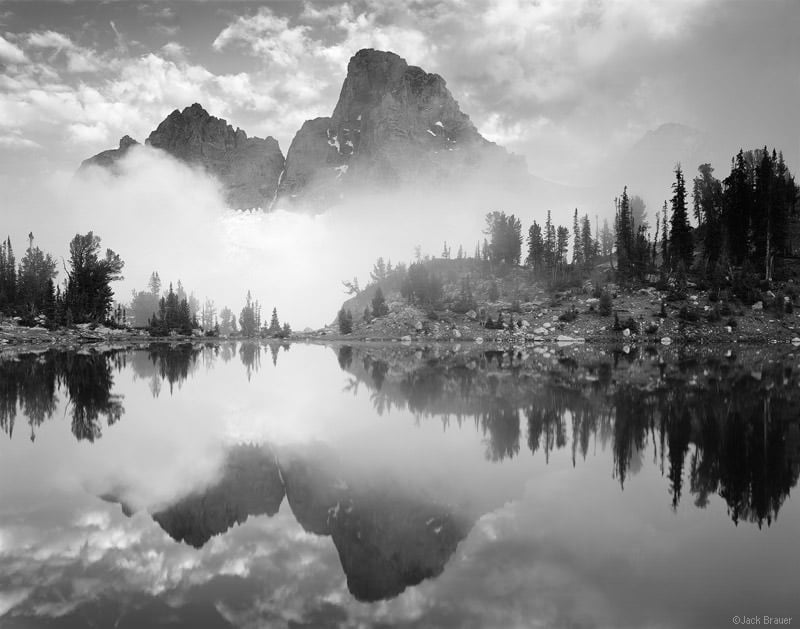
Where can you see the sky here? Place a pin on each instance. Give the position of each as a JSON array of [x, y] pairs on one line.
[[571, 85]]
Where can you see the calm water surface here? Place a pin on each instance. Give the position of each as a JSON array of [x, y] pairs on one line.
[[246, 485]]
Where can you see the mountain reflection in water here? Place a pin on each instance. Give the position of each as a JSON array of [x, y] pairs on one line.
[[701, 428]]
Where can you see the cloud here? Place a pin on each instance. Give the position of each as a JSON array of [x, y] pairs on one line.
[[15, 139], [78, 59], [49, 39], [11, 53], [267, 36], [88, 133]]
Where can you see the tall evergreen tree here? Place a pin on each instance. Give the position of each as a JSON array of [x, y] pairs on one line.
[[707, 201], [274, 324], [535, 259], [247, 318], [36, 272], [578, 255], [379, 307], [8, 277], [680, 236], [549, 244], [562, 246], [588, 244], [88, 295], [505, 234], [625, 236]]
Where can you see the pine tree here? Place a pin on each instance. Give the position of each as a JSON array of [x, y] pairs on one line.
[[625, 236], [345, 319], [578, 255], [737, 206], [274, 324], [535, 259], [379, 271], [606, 240], [549, 245], [36, 271], [707, 201], [680, 237], [562, 246], [588, 245], [247, 318], [8, 278], [88, 295], [379, 307]]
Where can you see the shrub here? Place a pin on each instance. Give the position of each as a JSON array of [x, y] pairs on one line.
[[569, 316], [725, 310], [714, 315], [732, 323]]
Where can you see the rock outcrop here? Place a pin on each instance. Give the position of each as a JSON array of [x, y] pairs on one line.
[[393, 124], [109, 159], [248, 168]]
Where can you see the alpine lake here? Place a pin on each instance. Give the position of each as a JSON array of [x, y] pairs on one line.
[[252, 484]]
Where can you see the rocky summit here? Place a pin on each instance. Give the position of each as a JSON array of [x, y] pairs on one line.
[[248, 168], [394, 124]]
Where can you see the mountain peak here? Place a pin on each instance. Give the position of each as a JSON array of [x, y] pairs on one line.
[[393, 124]]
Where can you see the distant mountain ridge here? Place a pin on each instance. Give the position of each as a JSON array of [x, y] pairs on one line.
[[393, 124]]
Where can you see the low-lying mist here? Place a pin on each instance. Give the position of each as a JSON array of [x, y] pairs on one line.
[[161, 215]]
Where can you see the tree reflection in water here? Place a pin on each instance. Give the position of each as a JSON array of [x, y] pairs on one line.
[[734, 432], [714, 426], [30, 382]]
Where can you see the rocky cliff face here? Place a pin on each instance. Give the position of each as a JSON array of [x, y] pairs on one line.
[[393, 124], [248, 168]]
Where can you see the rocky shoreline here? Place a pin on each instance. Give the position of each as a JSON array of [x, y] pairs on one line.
[[16, 339]]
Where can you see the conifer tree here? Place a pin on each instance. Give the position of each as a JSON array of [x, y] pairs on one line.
[[379, 307], [274, 324], [578, 255], [680, 236], [562, 246], [707, 202], [535, 259], [625, 236], [88, 295], [345, 319], [588, 244], [549, 245]]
